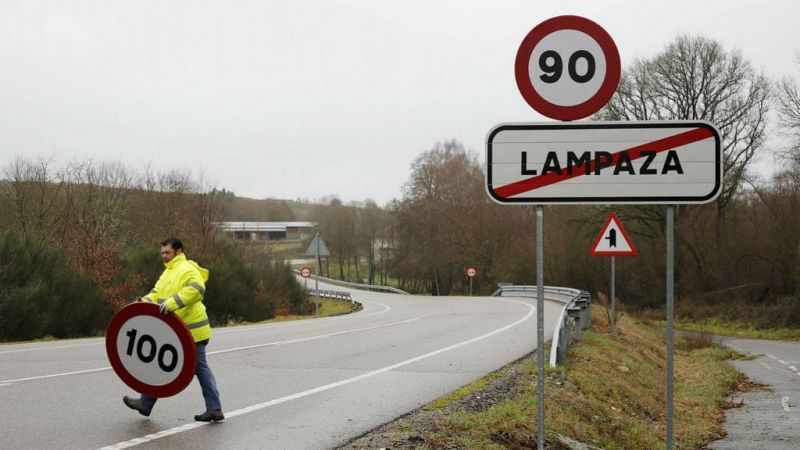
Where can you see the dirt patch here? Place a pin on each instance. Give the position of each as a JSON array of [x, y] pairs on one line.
[[403, 433]]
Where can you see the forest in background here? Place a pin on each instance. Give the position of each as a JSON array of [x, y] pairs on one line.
[[79, 241]]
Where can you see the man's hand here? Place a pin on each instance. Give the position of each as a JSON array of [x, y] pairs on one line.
[[164, 308]]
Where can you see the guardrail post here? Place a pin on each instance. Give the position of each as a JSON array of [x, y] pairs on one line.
[[587, 319], [563, 344], [574, 313]]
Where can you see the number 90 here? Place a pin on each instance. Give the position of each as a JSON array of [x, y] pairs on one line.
[[552, 66]]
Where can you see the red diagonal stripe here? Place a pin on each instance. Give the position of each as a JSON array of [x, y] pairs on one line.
[[667, 143]]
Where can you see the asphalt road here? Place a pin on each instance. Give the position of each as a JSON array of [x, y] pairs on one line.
[[768, 419], [309, 384]]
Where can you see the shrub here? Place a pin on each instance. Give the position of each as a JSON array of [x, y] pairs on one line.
[[42, 294]]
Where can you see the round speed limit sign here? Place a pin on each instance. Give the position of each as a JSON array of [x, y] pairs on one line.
[[567, 67], [305, 272], [152, 353], [471, 272]]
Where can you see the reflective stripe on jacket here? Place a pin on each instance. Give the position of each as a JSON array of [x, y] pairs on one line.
[[182, 286]]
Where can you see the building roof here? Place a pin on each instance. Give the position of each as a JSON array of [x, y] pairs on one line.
[[263, 226]]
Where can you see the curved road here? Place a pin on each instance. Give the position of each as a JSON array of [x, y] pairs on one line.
[[308, 384]]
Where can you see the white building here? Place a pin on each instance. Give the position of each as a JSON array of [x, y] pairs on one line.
[[268, 231]]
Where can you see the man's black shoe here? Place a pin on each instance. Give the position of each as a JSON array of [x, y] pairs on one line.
[[210, 416], [133, 403]]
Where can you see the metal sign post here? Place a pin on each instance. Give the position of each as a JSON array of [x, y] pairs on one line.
[[540, 325], [316, 249], [316, 278], [613, 297], [670, 316], [471, 272]]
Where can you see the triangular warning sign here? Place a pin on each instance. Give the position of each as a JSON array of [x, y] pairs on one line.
[[312, 248], [613, 240]]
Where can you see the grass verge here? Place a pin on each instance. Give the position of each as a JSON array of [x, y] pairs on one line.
[[610, 394], [327, 308], [737, 329]]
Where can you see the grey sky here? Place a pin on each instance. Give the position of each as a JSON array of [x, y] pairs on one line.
[[309, 98]]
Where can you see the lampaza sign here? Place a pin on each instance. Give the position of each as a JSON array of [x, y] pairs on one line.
[[604, 162]]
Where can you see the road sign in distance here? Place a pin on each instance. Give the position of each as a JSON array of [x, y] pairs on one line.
[[471, 272], [613, 240], [152, 353], [305, 272], [604, 162], [567, 67]]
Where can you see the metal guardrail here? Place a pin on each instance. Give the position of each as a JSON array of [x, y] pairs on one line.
[[368, 287], [575, 316], [336, 295]]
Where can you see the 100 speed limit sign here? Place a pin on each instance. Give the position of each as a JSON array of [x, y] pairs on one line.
[[567, 67], [152, 353]]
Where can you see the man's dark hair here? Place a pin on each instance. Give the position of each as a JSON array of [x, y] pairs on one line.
[[173, 242]]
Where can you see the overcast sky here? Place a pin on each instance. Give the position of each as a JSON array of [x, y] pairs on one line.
[[306, 99]]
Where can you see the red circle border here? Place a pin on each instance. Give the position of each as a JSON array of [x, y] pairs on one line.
[[310, 272], [607, 88], [181, 330]]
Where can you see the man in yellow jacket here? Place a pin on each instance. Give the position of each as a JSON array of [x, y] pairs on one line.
[[180, 289]]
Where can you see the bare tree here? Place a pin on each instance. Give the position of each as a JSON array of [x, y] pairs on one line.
[[29, 196], [788, 100], [694, 78]]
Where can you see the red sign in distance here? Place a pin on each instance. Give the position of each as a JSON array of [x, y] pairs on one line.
[[567, 67], [471, 272], [305, 272], [152, 353]]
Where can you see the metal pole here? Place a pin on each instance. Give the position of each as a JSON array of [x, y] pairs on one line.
[[613, 296], [470, 286], [670, 315], [540, 325], [319, 267]]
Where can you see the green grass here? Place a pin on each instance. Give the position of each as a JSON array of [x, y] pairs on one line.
[[327, 308], [456, 395], [610, 394], [737, 329]]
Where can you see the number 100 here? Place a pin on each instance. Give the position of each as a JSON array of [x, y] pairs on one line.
[[150, 354]]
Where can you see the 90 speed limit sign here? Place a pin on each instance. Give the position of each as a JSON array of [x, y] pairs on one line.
[[152, 353], [567, 67]]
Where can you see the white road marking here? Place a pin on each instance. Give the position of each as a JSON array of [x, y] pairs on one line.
[[316, 390], [785, 404], [34, 349], [783, 362], [42, 377], [765, 366], [291, 341], [793, 368], [5, 384], [225, 330], [772, 356]]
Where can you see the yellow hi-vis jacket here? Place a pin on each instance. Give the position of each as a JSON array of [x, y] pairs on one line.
[[182, 286]]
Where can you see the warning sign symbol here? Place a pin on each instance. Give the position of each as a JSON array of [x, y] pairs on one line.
[[613, 240]]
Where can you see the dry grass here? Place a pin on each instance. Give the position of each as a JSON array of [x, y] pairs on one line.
[[610, 395]]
